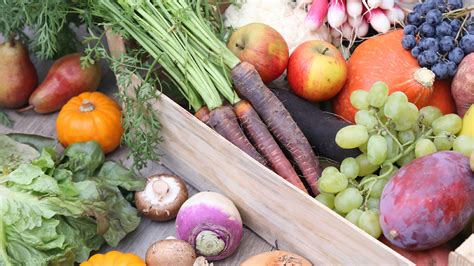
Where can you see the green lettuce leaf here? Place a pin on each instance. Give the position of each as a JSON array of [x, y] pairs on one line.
[[113, 175], [81, 234], [36, 141], [5, 120], [22, 209], [4, 258], [40, 246], [88, 190], [43, 184], [123, 219], [62, 175], [13, 153], [24, 174], [44, 237], [46, 160], [83, 159], [55, 212], [64, 179], [21, 254]]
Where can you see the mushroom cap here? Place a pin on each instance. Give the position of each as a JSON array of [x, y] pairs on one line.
[[162, 197], [170, 252]]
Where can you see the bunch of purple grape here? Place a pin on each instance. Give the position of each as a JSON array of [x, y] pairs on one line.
[[438, 36]]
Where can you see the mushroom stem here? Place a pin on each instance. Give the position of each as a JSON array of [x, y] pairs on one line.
[[161, 188], [208, 243]]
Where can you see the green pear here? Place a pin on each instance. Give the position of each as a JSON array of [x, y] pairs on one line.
[[18, 77]]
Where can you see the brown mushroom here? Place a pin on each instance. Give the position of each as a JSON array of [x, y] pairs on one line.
[[170, 252], [162, 197]]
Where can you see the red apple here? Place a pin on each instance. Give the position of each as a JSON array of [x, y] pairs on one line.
[[263, 47], [316, 71]]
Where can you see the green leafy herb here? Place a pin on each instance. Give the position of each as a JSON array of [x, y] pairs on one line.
[[140, 121], [48, 20], [141, 124]]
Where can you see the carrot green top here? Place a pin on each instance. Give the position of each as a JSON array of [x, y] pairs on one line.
[[181, 42]]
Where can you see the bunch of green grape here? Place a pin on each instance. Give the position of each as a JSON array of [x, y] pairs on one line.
[[390, 131]]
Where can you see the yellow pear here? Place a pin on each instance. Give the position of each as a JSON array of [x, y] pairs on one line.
[[468, 122]]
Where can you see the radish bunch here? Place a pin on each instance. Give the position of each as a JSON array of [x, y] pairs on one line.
[[350, 19]]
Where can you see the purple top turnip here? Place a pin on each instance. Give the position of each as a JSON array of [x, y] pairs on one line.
[[211, 223]]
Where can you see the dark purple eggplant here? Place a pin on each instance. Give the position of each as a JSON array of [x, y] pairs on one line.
[[319, 127]]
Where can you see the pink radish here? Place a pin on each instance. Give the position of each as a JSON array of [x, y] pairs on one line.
[[387, 4], [316, 14], [355, 21], [336, 13], [346, 31], [354, 8], [373, 3], [378, 20], [400, 13], [392, 15], [335, 33], [363, 29], [395, 15]]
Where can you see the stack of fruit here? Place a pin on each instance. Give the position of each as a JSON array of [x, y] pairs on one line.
[[67, 87], [391, 132], [439, 34]]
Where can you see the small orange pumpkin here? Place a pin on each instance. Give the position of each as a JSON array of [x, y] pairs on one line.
[[90, 116], [114, 258]]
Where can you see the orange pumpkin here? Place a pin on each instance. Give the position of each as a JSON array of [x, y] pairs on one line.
[[442, 97], [383, 58], [90, 116], [114, 258]]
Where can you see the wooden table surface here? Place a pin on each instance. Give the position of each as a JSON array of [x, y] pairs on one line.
[[148, 231]]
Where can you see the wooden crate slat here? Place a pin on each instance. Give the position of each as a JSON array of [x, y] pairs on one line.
[[464, 254]]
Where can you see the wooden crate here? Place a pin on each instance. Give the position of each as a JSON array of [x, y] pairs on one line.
[[464, 254], [272, 207]]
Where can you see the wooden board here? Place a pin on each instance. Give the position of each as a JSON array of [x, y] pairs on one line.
[[148, 232], [270, 206], [464, 254]]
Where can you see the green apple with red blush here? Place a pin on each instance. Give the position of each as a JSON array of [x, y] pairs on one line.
[[317, 71], [263, 47]]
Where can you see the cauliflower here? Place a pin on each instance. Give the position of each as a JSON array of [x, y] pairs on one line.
[[285, 16]]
